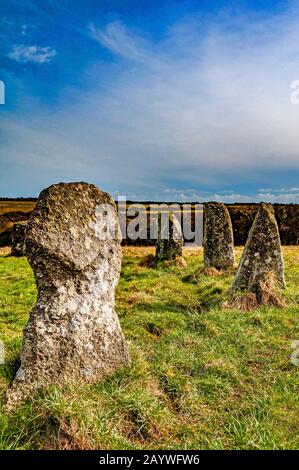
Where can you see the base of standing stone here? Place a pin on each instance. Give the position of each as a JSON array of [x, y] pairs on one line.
[[178, 262], [150, 261], [250, 301]]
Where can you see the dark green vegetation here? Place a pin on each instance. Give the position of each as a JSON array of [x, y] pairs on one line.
[[200, 376]]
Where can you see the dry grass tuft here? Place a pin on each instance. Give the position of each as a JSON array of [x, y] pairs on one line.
[[178, 262], [5, 251], [208, 271], [244, 303], [149, 261], [265, 294], [68, 436]]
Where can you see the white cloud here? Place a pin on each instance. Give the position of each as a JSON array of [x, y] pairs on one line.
[[279, 190], [230, 196], [284, 198], [34, 54], [217, 98], [207, 106]]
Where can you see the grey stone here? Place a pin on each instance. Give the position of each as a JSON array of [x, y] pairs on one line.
[[73, 333], [18, 239], [170, 240], [218, 236], [262, 256]]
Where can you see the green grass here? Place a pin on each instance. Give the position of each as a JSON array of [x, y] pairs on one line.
[[200, 376]]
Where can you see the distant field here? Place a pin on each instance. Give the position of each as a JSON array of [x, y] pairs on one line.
[[200, 376], [11, 205], [14, 206]]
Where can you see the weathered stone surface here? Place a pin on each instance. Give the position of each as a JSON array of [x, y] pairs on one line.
[[218, 236], [170, 240], [73, 332], [18, 239], [262, 257]]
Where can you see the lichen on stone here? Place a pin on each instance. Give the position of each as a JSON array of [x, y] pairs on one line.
[[261, 269]]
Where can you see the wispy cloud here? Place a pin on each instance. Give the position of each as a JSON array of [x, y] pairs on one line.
[[120, 40], [33, 54], [214, 98]]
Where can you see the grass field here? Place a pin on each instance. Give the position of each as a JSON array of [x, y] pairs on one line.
[[17, 205], [200, 376]]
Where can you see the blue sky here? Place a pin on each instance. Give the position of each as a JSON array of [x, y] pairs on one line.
[[163, 100]]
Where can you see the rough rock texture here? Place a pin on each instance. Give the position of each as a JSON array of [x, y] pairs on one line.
[[18, 239], [218, 236], [262, 257], [7, 221], [170, 240], [73, 332]]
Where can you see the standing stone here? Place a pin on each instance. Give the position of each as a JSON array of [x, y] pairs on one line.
[[262, 256], [218, 236], [18, 239], [73, 333], [170, 240]]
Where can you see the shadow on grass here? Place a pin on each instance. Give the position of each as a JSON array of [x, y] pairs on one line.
[[10, 368]]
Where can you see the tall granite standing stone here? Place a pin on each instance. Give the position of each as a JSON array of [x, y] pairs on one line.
[[73, 333], [18, 239], [262, 259], [218, 236], [170, 239]]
